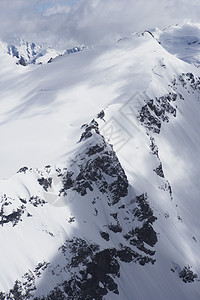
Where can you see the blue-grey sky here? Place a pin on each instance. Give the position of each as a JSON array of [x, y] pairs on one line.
[[64, 23]]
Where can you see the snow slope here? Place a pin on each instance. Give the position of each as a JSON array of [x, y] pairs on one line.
[[108, 209], [182, 40]]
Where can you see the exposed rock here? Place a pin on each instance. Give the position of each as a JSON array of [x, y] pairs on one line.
[[22, 62], [37, 201], [101, 115], [187, 275], [9, 214], [88, 130], [157, 111], [87, 270], [143, 211], [23, 170], [105, 235], [45, 182], [98, 161], [159, 171], [115, 227]]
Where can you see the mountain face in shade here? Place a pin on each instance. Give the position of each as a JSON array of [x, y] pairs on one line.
[[100, 170]]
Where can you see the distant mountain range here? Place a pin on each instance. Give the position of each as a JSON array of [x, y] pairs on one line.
[[31, 53]]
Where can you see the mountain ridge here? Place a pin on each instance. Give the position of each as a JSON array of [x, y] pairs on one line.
[[118, 219]]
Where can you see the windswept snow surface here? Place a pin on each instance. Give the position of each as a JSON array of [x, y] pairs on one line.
[[74, 193], [183, 40]]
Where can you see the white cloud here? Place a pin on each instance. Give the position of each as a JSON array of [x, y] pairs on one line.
[[88, 21], [58, 9]]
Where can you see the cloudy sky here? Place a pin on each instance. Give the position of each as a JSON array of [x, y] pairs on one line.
[[65, 23]]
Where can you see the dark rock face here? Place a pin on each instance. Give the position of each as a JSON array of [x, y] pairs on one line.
[[97, 269], [105, 235], [22, 62], [89, 271], [23, 170], [143, 210], [94, 165], [94, 279], [98, 284], [94, 149], [115, 228], [15, 215], [37, 201], [159, 171], [55, 294], [95, 171], [146, 234], [23, 290], [45, 182], [189, 80], [187, 275], [157, 111], [153, 147], [101, 115], [89, 129]]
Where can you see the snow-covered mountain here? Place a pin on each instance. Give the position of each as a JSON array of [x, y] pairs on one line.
[[100, 174], [31, 53], [182, 40]]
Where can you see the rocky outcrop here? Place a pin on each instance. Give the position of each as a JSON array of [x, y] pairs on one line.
[[90, 271], [157, 111]]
